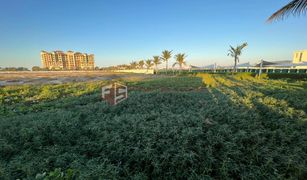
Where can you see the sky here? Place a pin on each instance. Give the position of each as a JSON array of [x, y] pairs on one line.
[[122, 31]]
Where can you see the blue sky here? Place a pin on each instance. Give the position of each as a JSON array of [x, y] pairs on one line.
[[120, 31]]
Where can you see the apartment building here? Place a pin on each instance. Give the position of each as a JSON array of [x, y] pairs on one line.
[[58, 60], [300, 56]]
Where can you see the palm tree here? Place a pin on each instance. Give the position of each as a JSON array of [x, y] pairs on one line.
[[148, 64], [166, 55], [133, 65], [156, 61], [141, 64], [180, 60], [295, 7], [235, 53]]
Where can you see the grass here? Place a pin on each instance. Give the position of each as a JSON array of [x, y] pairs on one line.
[[168, 83], [202, 127]]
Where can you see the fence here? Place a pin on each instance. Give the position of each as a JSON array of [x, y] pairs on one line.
[[240, 70]]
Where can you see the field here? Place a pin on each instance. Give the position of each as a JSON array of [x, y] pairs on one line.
[[8, 78], [205, 126]]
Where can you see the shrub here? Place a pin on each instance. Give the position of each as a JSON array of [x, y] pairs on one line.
[[288, 76], [168, 128], [244, 76], [262, 76], [208, 79]]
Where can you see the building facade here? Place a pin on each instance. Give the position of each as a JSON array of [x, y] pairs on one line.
[[300, 56], [58, 60]]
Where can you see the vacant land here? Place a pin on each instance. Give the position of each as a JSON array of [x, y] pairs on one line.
[[60, 77], [198, 127]]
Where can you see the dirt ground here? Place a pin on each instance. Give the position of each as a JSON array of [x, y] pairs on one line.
[[59, 77]]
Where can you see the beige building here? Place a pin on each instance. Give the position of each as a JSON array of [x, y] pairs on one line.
[[59, 60], [300, 56]]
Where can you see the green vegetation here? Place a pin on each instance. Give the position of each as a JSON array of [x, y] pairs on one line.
[[148, 64], [37, 68], [14, 69], [236, 52], [295, 7], [166, 56], [25, 99], [288, 76], [141, 64], [156, 61], [133, 65], [180, 60], [199, 127]]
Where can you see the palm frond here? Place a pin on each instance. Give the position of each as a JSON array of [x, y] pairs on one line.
[[166, 55], [233, 49], [242, 46], [156, 60], [231, 52], [295, 7], [180, 59], [175, 64], [236, 52]]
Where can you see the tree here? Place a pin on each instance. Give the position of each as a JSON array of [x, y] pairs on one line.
[[156, 61], [235, 53], [133, 65], [141, 64], [180, 60], [148, 64], [166, 55], [295, 7], [36, 68]]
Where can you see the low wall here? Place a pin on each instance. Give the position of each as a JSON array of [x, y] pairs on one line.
[[141, 71]]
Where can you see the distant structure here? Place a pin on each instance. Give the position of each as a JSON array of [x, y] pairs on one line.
[[58, 60], [300, 56]]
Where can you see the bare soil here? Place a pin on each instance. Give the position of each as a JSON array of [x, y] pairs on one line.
[[60, 77]]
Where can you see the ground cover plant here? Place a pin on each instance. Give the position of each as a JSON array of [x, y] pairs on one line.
[[208, 126]]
